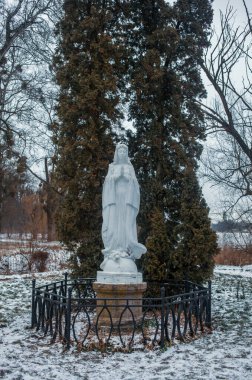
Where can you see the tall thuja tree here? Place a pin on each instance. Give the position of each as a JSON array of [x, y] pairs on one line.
[[197, 243], [150, 145], [166, 85], [88, 64]]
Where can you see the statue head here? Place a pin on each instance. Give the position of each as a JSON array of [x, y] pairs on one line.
[[121, 154]]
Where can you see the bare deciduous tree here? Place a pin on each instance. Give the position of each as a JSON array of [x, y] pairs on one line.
[[228, 67], [26, 46], [26, 91]]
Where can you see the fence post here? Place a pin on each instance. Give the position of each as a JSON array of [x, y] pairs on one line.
[[33, 303], [209, 306], [162, 316], [68, 318]]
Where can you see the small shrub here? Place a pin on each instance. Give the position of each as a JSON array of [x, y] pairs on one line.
[[38, 259], [35, 260]]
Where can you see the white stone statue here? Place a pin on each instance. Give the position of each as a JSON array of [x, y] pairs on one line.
[[120, 204]]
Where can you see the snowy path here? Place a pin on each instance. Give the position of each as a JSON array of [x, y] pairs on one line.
[[226, 354]]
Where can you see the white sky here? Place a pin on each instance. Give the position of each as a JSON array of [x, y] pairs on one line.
[[236, 4]]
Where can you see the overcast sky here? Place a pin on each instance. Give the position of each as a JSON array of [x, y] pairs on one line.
[[236, 4]]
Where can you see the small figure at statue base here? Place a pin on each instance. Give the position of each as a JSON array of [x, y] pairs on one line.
[[118, 261]]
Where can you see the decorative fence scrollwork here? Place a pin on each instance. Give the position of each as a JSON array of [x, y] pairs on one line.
[[67, 310]]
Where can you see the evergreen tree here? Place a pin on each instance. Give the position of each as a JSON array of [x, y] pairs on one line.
[[88, 66], [158, 247], [164, 108], [196, 241]]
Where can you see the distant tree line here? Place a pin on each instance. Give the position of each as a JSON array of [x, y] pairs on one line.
[[25, 214], [230, 225]]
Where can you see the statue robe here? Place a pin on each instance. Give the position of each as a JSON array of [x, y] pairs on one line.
[[120, 201]]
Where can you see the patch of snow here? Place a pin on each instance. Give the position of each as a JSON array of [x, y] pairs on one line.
[[22, 238], [15, 262], [243, 271], [225, 354]]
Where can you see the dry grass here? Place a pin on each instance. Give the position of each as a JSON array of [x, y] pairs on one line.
[[234, 256]]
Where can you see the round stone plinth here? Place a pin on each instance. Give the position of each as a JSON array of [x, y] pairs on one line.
[[118, 303]]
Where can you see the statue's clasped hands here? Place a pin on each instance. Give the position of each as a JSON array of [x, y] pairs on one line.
[[124, 173]]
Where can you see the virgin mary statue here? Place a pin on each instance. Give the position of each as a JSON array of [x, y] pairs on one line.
[[120, 206]]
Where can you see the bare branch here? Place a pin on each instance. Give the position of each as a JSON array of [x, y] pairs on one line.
[[247, 13]]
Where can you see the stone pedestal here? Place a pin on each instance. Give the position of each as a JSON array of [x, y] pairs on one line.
[[121, 301], [104, 277]]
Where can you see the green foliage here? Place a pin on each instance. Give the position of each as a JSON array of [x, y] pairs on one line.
[[169, 125], [157, 260], [196, 241], [88, 63]]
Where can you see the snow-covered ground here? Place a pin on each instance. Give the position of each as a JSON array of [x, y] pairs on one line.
[[19, 255], [225, 354]]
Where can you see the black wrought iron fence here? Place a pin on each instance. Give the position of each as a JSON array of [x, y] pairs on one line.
[[70, 311]]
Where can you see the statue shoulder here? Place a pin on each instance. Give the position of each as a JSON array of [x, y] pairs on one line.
[[132, 169]]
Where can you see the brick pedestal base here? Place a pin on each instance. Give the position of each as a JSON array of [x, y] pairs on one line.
[[120, 302]]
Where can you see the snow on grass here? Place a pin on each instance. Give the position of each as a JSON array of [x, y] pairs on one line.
[[243, 271], [225, 354], [19, 257]]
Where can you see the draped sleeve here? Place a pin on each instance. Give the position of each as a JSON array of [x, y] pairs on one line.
[[108, 193], [133, 196]]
